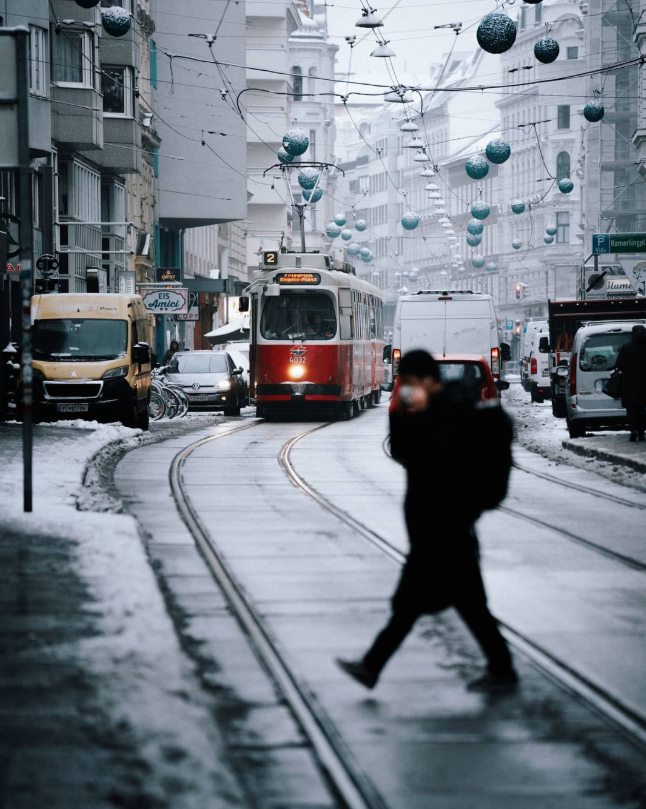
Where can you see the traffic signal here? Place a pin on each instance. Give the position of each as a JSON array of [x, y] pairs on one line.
[[518, 289]]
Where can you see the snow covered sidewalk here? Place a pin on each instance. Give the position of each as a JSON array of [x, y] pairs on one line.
[[99, 705]]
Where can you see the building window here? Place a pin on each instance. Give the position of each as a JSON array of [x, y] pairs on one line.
[[523, 18], [538, 14], [153, 63], [563, 227], [312, 146], [38, 60], [312, 79], [297, 83], [74, 59], [116, 87], [562, 165], [573, 52], [123, 3], [563, 116]]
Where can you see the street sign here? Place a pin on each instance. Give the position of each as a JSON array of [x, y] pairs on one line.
[[618, 243], [193, 307], [168, 301]]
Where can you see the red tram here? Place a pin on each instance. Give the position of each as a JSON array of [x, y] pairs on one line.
[[317, 337]]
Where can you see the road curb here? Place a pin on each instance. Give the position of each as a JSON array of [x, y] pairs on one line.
[[604, 455]]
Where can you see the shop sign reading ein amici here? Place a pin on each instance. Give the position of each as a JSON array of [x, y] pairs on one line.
[[165, 301]]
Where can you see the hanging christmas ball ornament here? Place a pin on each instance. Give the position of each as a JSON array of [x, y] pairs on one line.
[[566, 185], [312, 196], [365, 253], [473, 241], [551, 230], [332, 231], [284, 156], [346, 235], [410, 220], [474, 227], [533, 2], [594, 111], [546, 50], [516, 244], [518, 206], [548, 239], [498, 150], [339, 219], [87, 3], [295, 142], [496, 33], [361, 225], [492, 266], [116, 20], [480, 210], [477, 167], [352, 249], [308, 177], [477, 262]]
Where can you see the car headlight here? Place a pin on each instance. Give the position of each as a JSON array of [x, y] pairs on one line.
[[113, 373], [224, 385]]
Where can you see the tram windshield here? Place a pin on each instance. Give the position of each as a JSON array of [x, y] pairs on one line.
[[299, 316]]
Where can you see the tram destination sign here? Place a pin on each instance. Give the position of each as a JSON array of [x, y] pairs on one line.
[[618, 243], [287, 279]]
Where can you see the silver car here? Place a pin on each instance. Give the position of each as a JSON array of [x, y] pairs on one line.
[[210, 379], [593, 358]]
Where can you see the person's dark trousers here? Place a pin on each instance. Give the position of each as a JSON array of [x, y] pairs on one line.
[[429, 584], [636, 419]]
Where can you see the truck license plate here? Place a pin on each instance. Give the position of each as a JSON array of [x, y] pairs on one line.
[[63, 407]]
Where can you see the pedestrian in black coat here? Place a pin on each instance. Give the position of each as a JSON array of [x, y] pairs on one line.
[[631, 361], [457, 456]]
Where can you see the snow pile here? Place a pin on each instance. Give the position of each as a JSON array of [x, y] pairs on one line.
[[148, 700]]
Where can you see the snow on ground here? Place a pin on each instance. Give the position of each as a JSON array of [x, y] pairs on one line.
[[145, 689], [539, 431]]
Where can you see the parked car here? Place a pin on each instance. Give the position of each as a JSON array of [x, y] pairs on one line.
[[594, 357], [526, 342], [210, 379], [239, 353]]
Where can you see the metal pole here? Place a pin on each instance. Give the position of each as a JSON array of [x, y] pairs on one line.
[[26, 231]]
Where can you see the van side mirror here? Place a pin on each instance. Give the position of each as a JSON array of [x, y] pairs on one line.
[[388, 351], [544, 345], [243, 304], [141, 353], [505, 352]]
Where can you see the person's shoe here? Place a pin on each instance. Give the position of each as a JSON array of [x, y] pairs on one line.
[[358, 671], [491, 683]]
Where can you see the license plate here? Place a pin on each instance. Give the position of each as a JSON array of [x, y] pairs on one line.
[[72, 408], [200, 397], [546, 372]]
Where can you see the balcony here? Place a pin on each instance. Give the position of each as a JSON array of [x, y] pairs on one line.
[[77, 119], [121, 150]]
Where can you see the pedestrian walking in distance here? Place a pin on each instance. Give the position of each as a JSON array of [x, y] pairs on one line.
[[168, 356], [631, 361], [457, 456]]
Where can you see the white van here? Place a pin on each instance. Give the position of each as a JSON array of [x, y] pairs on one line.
[[448, 322], [538, 366], [594, 357], [526, 339]]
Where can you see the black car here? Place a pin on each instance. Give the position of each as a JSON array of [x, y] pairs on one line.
[[210, 379]]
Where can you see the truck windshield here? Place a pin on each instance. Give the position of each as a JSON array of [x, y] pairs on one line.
[[599, 352], [299, 316], [71, 339]]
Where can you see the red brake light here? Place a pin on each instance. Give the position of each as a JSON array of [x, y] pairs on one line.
[[396, 356], [495, 361], [573, 375], [534, 366]]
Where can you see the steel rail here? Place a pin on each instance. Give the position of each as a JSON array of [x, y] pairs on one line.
[[347, 782], [605, 704], [623, 501]]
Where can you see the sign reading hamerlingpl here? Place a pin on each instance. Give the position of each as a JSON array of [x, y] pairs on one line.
[[165, 300], [618, 243]]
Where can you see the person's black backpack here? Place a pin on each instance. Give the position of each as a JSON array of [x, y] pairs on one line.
[[494, 437]]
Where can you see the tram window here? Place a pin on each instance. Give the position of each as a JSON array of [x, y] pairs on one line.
[[298, 315]]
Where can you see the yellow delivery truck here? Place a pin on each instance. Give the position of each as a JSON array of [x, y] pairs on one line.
[[91, 358]]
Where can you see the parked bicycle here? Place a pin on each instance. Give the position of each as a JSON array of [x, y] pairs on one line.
[[167, 400]]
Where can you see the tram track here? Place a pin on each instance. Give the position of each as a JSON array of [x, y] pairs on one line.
[[347, 782], [604, 703]]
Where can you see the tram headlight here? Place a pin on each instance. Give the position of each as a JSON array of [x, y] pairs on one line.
[[296, 371]]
